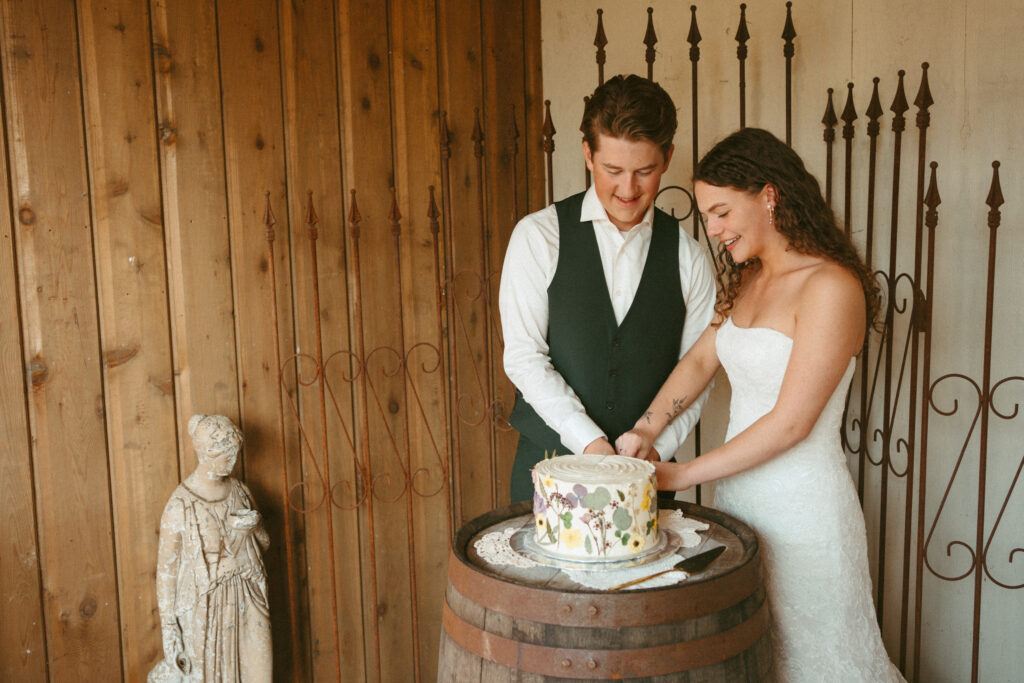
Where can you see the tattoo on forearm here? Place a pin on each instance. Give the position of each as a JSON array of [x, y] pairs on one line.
[[647, 416], [677, 407]]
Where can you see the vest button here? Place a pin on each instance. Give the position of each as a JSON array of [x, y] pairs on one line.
[[610, 405], [612, 373], [616, 343]]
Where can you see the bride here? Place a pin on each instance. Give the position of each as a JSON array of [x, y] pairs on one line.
[[792, 313]]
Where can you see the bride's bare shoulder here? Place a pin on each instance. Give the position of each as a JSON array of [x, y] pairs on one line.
[[829, 280], [833, 298]]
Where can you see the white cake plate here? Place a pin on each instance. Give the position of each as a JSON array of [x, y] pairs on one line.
[[523, 542]]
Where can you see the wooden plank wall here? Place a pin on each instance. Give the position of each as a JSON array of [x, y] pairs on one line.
[[142, 144]]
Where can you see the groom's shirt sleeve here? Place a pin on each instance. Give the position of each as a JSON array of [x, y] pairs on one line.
[[698, 282], [529, 266]]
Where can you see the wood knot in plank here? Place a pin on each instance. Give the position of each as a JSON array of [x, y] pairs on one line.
[[88, 606], [26, 215], [168, 133], [118, 187], [39, 372], [120, 356], [162, 54], [163, 384]]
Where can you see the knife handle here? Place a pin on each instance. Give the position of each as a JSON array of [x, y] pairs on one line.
[[644, 578]]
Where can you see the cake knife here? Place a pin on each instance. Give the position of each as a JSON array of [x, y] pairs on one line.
[[690, 565]]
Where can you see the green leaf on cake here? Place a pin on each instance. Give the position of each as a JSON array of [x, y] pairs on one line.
[[650, 524], [622, 519], [622, 496], [567, 519], [598, 498], [625, 539], [587, 546]]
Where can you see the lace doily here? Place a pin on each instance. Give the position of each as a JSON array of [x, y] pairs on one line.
[[494, 548]]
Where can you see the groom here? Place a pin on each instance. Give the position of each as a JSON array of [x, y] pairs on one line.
[[601, 293]]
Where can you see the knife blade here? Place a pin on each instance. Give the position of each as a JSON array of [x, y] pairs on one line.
[[690, 565]]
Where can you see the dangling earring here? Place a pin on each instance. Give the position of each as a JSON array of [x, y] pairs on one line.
[[771, 215]]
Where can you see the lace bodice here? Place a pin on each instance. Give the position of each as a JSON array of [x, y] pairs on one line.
[[804, 507]]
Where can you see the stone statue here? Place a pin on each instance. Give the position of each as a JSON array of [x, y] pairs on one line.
[[211, 582]]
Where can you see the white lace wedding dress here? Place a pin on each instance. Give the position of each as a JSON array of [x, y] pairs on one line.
[[804, 508]]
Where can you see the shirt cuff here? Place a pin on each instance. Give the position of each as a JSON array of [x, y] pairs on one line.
[[666, 445], [578, 431]]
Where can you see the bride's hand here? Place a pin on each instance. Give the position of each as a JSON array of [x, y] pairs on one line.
[[635, 445]]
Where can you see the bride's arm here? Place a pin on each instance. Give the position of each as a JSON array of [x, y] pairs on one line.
[[688, 379], [829, 331]]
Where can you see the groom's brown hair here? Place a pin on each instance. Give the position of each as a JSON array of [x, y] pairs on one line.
[[630, 107]]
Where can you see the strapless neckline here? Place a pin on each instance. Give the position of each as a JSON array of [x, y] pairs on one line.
[[729, 321]]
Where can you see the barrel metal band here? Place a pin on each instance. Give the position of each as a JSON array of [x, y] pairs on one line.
[[603, 610], [606, 664]]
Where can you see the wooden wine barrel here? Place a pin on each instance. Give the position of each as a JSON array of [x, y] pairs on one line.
[[510, 624]]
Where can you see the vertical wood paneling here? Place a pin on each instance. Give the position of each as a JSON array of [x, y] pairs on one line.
[[61, 340], [314, 165], [461, 81], [134, 313], [187, 77], [254, 144], [136, 265], [364, 54], [503, 98], [417, 162], [22, 642], [532, 140]]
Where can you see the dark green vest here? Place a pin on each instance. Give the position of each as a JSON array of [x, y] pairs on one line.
[[616, 370]]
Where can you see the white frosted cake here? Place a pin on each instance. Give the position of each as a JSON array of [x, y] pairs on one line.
[[595, 507]]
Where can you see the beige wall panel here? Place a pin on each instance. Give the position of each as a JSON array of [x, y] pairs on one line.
[[971, 49]]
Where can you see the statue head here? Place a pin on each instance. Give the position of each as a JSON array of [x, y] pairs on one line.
[[217, 442]]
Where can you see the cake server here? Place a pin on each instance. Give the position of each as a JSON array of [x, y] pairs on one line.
[[690, 565]]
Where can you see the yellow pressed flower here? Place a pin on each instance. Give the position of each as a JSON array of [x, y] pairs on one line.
[[542, 524], [645, 504], [549, 483], [571, 538], [636, 543]]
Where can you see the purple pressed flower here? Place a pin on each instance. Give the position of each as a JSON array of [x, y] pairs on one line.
[[539, 504], [580, 490]]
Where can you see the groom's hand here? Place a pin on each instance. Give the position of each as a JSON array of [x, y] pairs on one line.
[[600, 446]]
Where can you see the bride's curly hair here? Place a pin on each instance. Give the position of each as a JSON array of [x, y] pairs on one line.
[[748, 160]]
